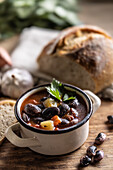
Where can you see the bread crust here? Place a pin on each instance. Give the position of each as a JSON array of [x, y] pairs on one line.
[[7, 116], [89, 46]]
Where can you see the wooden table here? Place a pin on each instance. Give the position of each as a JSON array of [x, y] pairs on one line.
[[12, 157]]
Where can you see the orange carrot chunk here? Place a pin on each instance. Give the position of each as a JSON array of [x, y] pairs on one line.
[[56, 119]]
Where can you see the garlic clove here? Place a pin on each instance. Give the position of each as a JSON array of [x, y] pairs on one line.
[[16, 82]]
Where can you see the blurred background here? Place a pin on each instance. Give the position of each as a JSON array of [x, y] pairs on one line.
[[97, 12], [15, 15]]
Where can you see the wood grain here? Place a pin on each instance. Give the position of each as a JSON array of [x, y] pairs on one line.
[[23, 158]]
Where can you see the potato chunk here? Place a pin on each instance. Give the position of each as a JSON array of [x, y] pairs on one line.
[[50, 103], [47, 125]]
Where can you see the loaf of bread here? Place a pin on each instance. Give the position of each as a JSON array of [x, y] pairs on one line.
[[80, 55], [7, 116]]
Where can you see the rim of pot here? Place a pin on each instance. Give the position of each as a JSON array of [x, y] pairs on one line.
[[64, 130]]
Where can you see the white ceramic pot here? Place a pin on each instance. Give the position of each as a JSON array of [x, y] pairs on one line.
[[53, 142]]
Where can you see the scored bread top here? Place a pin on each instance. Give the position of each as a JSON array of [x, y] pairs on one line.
[[89, 46], [75, 35]]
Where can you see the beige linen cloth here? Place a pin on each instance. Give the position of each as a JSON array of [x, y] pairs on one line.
[[31, 42]]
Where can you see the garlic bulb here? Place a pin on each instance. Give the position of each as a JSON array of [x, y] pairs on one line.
[[15, 82]]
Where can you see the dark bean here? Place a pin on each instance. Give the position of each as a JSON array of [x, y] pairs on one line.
[[64, 108], [32, 110], [100, 138], [91, 151], [99, 156], [85, 161], [73, 122], [74, 103], [37, 120], [110, 119], [74, 112], [41, 106], [25, 117], [49, 112], [64, 123], [49, 95], [68, 117], [43, 99]]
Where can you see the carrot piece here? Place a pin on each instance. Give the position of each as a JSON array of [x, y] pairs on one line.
[[56, 120]]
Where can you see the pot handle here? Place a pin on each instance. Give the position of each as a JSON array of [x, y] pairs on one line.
[[16, 140], [95, 100]]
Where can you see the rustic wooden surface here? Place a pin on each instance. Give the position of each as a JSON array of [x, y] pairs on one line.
[[12, 157]]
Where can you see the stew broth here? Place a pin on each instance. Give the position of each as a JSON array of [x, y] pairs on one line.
[[43, 111]]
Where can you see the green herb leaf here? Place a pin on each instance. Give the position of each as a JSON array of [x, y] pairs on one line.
[[56, 84], [66, 97], [56, 89], [54, 93]]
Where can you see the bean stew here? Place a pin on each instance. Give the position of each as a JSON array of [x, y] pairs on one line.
[[48, 111]]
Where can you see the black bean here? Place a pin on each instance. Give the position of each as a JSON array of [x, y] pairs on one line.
[[49, 112], [68, 117], [41, 106], [32, 110], [43, 99], [64, 121], [91, 151], [110, 119], [74, 103], [99, 156], [25, 117], [37, 120], [64, 108], [74, 112], [85, 161], [73, 122], [100, 138]]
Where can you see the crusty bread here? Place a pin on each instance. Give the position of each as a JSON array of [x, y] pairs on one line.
[[7, 117], [82, 56]]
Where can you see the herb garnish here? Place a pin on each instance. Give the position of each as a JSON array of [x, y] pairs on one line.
[[66, 97], [57, 90]]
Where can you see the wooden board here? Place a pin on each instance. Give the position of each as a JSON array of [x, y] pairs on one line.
[[23, 158]]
